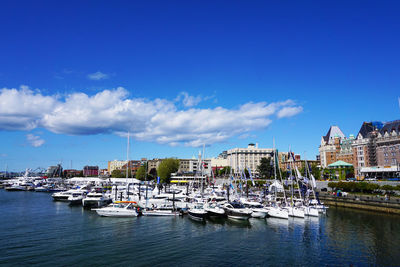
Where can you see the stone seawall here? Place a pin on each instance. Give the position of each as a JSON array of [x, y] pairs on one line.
[[373, 203]]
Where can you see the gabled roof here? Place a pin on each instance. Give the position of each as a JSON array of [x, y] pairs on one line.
[[366, 129], [340, 163], [334, 131], [390, 126]]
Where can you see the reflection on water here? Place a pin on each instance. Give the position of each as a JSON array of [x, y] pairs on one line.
[[36, 230]]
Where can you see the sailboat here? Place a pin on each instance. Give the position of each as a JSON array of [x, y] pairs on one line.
[[197, 211], [296, 208], [276, 211]]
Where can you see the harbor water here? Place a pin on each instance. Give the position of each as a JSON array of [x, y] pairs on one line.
[[34, 230]]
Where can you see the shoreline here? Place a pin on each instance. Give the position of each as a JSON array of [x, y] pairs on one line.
[[364, 202]]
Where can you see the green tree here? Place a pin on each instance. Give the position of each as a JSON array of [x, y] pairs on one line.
[[315, 171], [141, 172], [117, 174], [167, 166], [224, 171], [266, 168], [120, 174]]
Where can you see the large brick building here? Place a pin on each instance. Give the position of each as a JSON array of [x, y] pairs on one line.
[[375, 151], [336, 146]]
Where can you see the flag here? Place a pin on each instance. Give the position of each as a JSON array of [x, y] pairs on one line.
[[313, 183], [251, 177], [158, 179]]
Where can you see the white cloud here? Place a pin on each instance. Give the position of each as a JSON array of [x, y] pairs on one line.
[[22, 109], [188, 100], [289, 111], [34, 140], [97, 76], [112, 111]]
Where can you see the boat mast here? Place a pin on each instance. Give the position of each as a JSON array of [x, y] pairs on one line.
[[276, 191], [127, 160]]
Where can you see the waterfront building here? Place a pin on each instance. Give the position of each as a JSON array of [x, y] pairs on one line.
[[364, 147], [250, 157], [115, 165], [71, 173], [219, 162], [374, 152], [340, 169], [54, 171], [329, 146], [193, 165], [91, 171], [299, 163], [152, 165]]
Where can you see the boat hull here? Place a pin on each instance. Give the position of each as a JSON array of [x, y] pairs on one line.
[[296, 212], [235, 215], [278, 213], [160, 213], [310, 211], [200, 216], [94, 203], [211, 213], [117, 213]]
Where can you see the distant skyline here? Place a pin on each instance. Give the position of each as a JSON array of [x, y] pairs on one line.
[[77, 76]]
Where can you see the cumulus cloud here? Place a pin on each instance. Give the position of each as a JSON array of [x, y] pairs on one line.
[[22, 109], [34, 140], [289, 111], [97, 76], [113, 111]]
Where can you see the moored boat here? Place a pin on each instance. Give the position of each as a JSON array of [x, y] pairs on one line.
[[119, 209], [197, 212], [236, 211]]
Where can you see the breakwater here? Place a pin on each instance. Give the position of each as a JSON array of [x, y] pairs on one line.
[[365, 202]]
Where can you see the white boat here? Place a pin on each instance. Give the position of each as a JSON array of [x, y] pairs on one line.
[[258, 210], [311, 211], [296, 212], [42, 188], [236, 211], [197, 212], [163, 210], [214, 210], [96, 200], [319, 206], [119, 209], [64, 195], [15, 187], [277, 212], [76, 198]]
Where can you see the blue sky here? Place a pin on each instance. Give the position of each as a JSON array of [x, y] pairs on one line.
[[76, 75]]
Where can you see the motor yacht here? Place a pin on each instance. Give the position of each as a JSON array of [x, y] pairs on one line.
[[96, 200], [236, 210], [64, 195], [15, 187], [197, 212], [258, 210], [76, 198], [214, 210], [163, 210], [120, 209]]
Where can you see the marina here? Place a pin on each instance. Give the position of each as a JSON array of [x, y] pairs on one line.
[[39, 231]]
